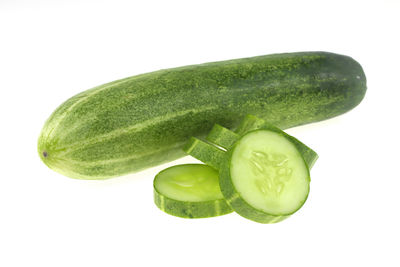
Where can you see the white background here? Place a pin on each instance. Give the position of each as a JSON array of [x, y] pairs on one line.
[[51, 50]]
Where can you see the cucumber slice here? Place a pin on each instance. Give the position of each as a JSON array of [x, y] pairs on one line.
[[222, 136], [205, 152], [190, 191], [251, 123], [264, 177]]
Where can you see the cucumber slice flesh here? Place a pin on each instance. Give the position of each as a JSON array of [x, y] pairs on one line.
[[190, 182], [190, 191], [268, 173]]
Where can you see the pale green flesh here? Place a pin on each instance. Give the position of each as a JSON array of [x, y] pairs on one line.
[[269, 173], [189, 182]]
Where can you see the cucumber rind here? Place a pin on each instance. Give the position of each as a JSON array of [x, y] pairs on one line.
[[189, 209], [239, 204]]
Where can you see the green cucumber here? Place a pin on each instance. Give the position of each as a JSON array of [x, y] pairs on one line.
[[144, 120], [225, 138], [264, 177], [190, 191]]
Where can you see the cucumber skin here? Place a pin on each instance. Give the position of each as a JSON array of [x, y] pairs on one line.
[[145, 120], [192, 210]]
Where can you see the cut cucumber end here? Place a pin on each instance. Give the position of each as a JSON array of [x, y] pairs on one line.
[[190, 191], [264, 177]]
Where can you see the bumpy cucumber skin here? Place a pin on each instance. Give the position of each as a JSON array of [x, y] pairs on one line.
[[145, 120], [238, 204]]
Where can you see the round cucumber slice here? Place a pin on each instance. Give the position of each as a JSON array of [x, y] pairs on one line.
[[190, 191], [264, 177]]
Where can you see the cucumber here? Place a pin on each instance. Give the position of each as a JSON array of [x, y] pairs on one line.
[[264, 177], [144, 120], [190, 191], [225, 138]]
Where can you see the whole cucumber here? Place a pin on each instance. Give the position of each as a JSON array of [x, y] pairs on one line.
[[141, 121]]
